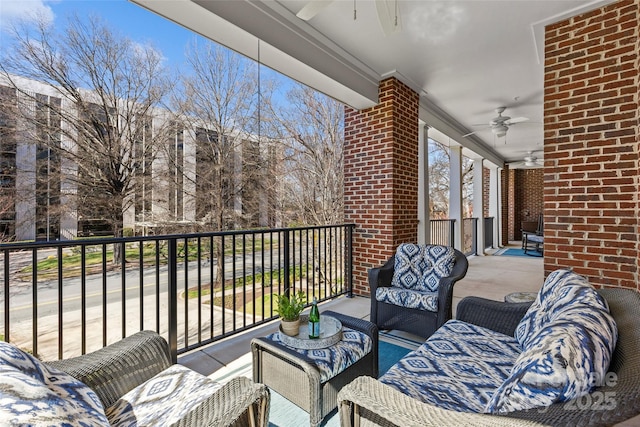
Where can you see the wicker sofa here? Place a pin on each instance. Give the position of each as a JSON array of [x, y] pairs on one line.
[[370, 402], [130, 382]]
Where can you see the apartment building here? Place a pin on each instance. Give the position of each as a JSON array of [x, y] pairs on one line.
[[175, 188]]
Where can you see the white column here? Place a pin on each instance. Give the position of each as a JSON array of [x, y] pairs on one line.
[[455, 193], [495, 205], [424, 220], [478, 203]]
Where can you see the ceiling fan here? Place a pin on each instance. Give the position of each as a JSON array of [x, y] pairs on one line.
[[528, 162], [388, 13], [500, 124]]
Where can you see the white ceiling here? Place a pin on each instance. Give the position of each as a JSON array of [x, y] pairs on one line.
[[464, 58]]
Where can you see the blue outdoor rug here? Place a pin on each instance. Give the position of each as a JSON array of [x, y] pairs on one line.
[[285, 414], [519, 252]]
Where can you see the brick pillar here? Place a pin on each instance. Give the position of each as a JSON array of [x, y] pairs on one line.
[[591, 144], [381, 177]]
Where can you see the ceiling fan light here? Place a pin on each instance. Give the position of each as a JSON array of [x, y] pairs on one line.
[[499, 131]]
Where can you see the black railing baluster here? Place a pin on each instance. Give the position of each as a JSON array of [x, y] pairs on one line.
[[104, 295], [34, 300], [83, 298], [172, 276], [199, 271], [313, 259], [141, 270], [287, 281], [60, 285], [233, 279], [211, 289], [244, 281], [7, 305], [123, 284], [306, 263], [222, 270], [185, 251], [253, 273], [157, 271]]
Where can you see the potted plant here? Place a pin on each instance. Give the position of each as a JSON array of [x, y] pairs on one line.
[[289, 310]]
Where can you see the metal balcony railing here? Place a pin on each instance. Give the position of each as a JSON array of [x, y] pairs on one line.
[[66, 298], [443, 233]]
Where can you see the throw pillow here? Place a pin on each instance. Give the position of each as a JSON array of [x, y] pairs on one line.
[[565, 359], [420, 267], [33, 393], [551, 298]]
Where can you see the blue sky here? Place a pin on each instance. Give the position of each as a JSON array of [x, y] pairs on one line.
[[123, 16]]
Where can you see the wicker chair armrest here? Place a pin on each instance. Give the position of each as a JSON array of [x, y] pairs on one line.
[[445, 287], [240, 402], [114, 370], [380, 277], [382, 405], [363, 326], [499, 316]]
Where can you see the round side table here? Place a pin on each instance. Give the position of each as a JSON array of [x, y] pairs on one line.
[[520, 297]]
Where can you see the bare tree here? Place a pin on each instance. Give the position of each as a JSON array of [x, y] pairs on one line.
[[439, 167], [103, 121], [313, 126], [218, 102], [228, 176]]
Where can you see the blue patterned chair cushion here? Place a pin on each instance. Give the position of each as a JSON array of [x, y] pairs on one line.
[[33, 393], [567, 347], [154, 402], [459, 367], [408, 298], [332, 360], [420, 267]]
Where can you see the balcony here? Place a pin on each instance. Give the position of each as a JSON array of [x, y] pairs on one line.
[[84, 300]]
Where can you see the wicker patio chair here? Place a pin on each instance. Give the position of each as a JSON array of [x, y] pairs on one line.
[[120, 367], [417, 321]]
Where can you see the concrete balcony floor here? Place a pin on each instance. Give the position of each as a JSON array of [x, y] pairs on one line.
[[490, 277]]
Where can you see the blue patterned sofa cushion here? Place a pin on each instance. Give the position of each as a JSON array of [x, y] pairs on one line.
[[459, 367], [408, 298], [332, 360], [568, 340], [33, 393], [153, 403], [420, 267]]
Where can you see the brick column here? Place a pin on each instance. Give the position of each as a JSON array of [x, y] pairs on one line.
[[381, 177], [591, 144]]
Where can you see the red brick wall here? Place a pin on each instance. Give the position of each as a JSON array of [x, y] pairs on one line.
[[381, 177], [529, 202], [486, 190], [591, 144]]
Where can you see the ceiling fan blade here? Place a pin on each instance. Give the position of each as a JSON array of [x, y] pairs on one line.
[[515, 120], [312, 8], [388, 16], [469, 134]]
